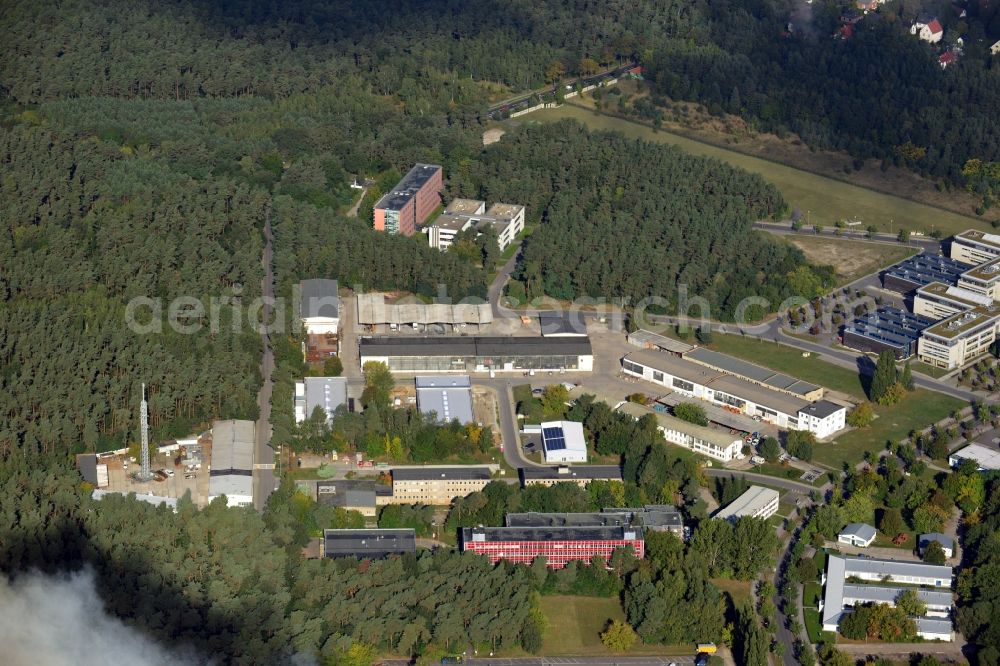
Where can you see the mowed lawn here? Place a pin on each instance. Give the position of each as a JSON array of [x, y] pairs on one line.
[[918, 410], [576, 623], [826, 199], [782, 358], [738, 590]]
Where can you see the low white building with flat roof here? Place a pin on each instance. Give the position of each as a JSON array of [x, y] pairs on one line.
[[757, 502], [986, 459], [562, 441], [464, 214], [231, 467], [327, 393], [841, 596], [449, 397]]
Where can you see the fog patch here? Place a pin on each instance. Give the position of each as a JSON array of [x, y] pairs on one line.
[[60, 621]]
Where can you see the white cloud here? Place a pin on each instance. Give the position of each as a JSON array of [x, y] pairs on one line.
[[61, 621]]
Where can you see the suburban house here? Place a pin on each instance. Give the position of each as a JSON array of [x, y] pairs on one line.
[[947, 543], [319, 306], [947, 58], [857, 534], [928, 29], [995, 49]]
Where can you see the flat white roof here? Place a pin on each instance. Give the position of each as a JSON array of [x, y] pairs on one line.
[[563, 435], [966, 295], [986, 458], [749, 502], [232, 445], [888, 595], [881, 568], [450, 397], [155, 500]]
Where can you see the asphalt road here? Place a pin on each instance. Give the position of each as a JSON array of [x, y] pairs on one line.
[[565, 661], [778, 482], [927, 244], [263, 473], [509, 428], [496, 287]]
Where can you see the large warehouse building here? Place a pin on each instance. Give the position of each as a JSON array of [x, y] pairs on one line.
[[448, 397], [785, 408], [374, 312], [231, 469], [411, 202], [559, 545], [466, 354]]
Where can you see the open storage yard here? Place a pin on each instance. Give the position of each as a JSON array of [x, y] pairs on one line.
[[827, 200]]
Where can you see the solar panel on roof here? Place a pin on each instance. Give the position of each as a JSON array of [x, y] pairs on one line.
[[554, 438]]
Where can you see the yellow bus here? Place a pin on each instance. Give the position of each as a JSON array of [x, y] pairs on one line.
[[707, 648]]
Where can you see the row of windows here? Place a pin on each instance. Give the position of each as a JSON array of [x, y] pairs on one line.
[[683, 385]]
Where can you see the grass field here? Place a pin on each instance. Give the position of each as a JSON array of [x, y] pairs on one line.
[[826, 200], [929, 370], [575, 625], [917, 410], [738, 590], [850, 258], [782, 358]]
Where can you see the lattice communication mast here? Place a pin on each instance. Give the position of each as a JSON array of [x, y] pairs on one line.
[[144, 473]]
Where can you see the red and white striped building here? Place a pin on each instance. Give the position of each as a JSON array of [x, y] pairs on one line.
[[559, 545]]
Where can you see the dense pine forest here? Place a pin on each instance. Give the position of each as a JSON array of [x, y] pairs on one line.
[[629, 219], [879, 94]]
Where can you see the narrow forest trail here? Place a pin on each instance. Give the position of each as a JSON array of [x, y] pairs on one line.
[[264, 478]]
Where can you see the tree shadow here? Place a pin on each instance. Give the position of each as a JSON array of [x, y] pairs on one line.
[[866, 371]]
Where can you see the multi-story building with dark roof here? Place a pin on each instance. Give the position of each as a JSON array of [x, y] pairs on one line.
[[411, 202]]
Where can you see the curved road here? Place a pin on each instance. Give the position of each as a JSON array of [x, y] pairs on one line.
[[785, 484]]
